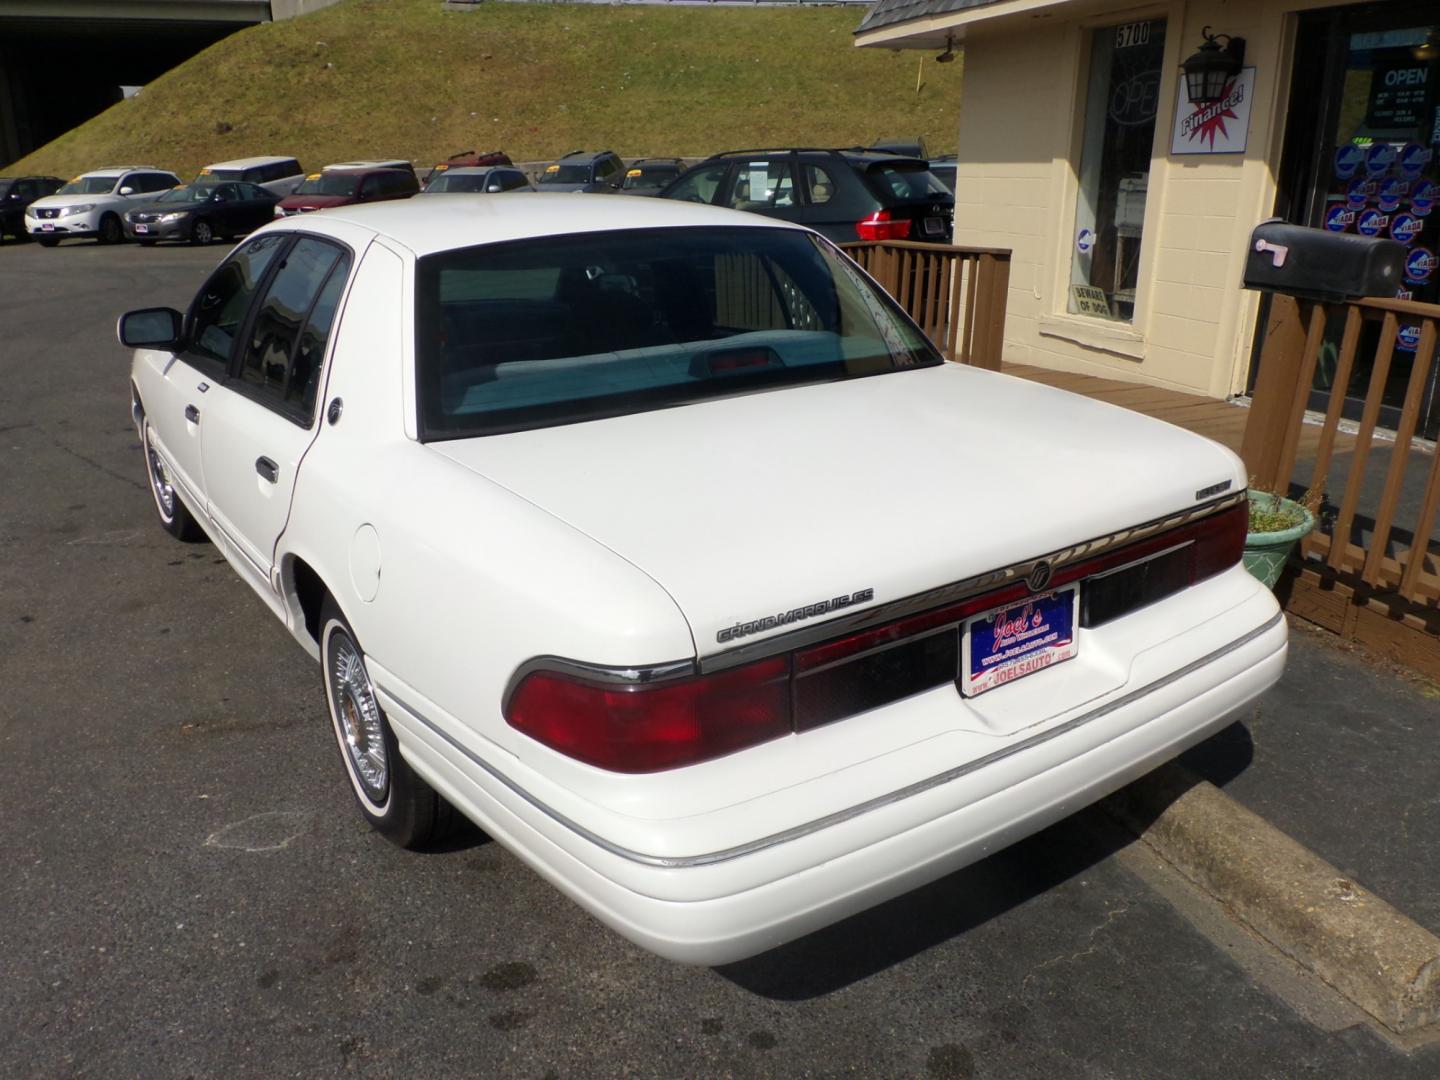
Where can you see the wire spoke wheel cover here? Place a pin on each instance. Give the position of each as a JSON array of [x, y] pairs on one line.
[[359, 724], [160, 485]]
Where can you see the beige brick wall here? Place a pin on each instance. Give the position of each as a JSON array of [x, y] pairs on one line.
[[1019, 150]]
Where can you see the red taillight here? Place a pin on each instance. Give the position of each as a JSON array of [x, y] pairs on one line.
[[663, 725], [1220, 540], [881, 226]]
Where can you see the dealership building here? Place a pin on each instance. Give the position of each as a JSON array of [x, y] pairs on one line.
[[1128, 206]]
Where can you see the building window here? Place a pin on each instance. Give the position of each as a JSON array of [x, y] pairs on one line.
[[1120, 104]]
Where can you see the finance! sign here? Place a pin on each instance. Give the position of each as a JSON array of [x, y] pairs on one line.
[[1218, 127]]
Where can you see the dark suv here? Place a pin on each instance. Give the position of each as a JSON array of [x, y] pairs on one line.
[[584, 170], [648, 175], [18, 192], [844, 195]]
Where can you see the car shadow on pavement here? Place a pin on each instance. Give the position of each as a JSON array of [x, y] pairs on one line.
[[867, 943], [1223, 756]]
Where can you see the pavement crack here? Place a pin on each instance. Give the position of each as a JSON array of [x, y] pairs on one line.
[[98, 466], [1090, 946]]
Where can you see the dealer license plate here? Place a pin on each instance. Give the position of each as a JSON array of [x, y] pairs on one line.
[[142, 228], [47, 227], [1009, 643], [934, 226]]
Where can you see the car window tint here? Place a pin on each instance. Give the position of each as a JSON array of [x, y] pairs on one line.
[[820, 182], [700, 184], [563, 329], [219, 309], [763, 185], [276, 328], [309, 355], [908, 180]]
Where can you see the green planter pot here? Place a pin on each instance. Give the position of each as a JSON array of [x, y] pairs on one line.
[[1266, 552]]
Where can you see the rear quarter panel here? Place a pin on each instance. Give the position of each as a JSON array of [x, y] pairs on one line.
[[472, 580]]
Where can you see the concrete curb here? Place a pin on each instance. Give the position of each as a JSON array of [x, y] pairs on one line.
[[1357, 943]]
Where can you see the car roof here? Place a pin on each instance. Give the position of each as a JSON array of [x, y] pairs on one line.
[[426, 227], [849, 153], [362, 170], [577, 156], [642, 162], [477, 170], [117, 170], [385, 163], [250, 162]]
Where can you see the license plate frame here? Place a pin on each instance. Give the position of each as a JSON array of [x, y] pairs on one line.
[[1028, 635], [934, 226], [142, 228], [47, 226]]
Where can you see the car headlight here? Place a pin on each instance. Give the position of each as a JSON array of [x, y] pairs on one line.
[[71, 211], [173, 215]]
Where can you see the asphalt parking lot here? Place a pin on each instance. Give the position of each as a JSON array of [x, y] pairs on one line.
[[188, 890]]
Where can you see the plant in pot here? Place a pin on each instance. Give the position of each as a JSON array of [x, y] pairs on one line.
[[1276, 525]]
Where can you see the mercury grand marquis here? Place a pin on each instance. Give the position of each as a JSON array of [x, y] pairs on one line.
[[658, 541]]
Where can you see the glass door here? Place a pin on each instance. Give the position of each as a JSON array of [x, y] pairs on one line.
[[1362, 155]]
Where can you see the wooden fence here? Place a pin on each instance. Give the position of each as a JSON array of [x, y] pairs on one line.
[[956, 294], [1371, 572]]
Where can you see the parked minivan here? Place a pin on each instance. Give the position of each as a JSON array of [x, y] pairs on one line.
[[342, 187], [280, 175]]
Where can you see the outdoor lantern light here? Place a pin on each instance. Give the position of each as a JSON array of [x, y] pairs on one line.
[[949, 53], [1211, 67]]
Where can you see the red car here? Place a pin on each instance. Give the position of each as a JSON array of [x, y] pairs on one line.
[[342, 187]]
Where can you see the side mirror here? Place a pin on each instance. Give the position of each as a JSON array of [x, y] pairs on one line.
[[150, 328], [495, 187], [127, 191]]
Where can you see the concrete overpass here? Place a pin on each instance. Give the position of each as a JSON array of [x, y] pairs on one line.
[[63, 61]]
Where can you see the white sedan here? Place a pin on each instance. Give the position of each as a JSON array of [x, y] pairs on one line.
[[656, 540]]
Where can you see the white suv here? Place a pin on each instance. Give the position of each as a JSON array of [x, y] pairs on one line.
[[93, 203]]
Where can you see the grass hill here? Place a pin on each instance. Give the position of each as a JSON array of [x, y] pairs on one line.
[[402, 78]]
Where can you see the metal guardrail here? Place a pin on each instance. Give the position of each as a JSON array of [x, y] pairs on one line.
[[955, 293]]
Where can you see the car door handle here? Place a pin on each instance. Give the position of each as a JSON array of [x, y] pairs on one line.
[[192, 414], [267, 468]]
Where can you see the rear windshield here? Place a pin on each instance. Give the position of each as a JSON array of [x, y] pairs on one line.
[[535, 333], [908, 180], [328, 184], [90, 185], [566, 174]]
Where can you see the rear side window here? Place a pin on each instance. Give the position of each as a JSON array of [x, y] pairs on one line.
[[821, 184], [287, 337], [217, 313], [907, 181], [564, 329]]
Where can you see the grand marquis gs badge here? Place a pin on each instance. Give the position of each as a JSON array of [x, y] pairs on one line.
[[784, 618]]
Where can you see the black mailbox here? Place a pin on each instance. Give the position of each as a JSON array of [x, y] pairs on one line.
[[1317, 264]]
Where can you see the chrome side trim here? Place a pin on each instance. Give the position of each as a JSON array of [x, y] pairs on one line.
[[850, 813], [958, 590]]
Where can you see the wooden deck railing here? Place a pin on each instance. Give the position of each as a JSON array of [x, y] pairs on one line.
[[956, 294], [1372, 571]]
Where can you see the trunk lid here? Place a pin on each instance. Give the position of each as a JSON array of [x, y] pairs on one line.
[[756, 505]]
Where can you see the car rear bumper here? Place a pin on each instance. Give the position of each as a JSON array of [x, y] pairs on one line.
[[718, 906]]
